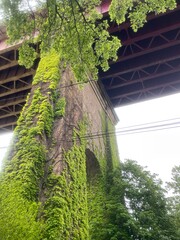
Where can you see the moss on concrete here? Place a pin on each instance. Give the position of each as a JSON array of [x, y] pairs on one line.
[[38, 204]]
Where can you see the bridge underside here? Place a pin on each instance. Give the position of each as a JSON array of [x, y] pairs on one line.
[[148, 66], [15, 83]]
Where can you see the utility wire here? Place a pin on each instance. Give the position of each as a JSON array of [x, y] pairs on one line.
[[148, 127], [144, 129], [148, 123], [124, 130], [131, 131]]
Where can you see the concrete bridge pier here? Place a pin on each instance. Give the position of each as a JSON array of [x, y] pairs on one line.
[[62, 159]]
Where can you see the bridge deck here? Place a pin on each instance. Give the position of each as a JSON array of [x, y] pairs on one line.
[[148, 66], [15, 83]]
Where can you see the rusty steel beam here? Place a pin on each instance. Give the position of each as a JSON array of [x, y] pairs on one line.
[[4, 47], [12, 103], [104, 7], [126, 25], [143, 79], [169, 26], [17, 77], [122, 58], [144, 90], [147, 65], [155, 33], [10, 114], [10, 124], [142, 62], [9, 65], [143, 96], [15, 90]]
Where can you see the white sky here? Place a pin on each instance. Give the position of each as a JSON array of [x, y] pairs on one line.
[[158, 150], [4, 142]]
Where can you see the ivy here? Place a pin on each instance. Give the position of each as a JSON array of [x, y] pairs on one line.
[[48, 69], [73, 34], [20, 181], [27, 55], [63, 214], [18, 215], [70, 27], [65, 211], [60, 107]]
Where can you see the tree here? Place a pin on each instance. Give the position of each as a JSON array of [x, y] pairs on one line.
[[143, 214], [174, 200], [146, 202], [174, 185], [61, 24], [43, 190]]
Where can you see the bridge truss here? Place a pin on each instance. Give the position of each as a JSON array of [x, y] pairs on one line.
[[148, 66]]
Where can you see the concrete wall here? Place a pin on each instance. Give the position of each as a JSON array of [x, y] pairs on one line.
[[83, 101]]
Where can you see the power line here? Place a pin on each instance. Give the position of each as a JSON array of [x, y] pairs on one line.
[[133, 129], [149, 127], [146, 131], [148, 123]]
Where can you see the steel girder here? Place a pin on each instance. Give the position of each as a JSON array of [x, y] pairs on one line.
[[148, 64]]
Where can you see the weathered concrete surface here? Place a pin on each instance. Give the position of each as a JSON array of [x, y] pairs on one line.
[[84, 101]]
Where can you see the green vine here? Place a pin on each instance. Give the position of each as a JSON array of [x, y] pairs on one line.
[[65, 211], [20, 181], [73, 207], [60, 107], [73, 34]]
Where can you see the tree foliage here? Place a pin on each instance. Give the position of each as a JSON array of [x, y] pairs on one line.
[[74, 28], [143, 212], [145, 199], [68, 26], [37, 203], [174, 185], [71, 33], [174, 200], [137, 11]]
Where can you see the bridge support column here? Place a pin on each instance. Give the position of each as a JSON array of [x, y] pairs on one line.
[[58, 175], [87, 105]]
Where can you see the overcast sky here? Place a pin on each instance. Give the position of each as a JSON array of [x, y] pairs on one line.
[[4, 142], [159, 150]]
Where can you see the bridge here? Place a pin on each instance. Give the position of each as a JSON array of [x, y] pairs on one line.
[[148, 66]]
